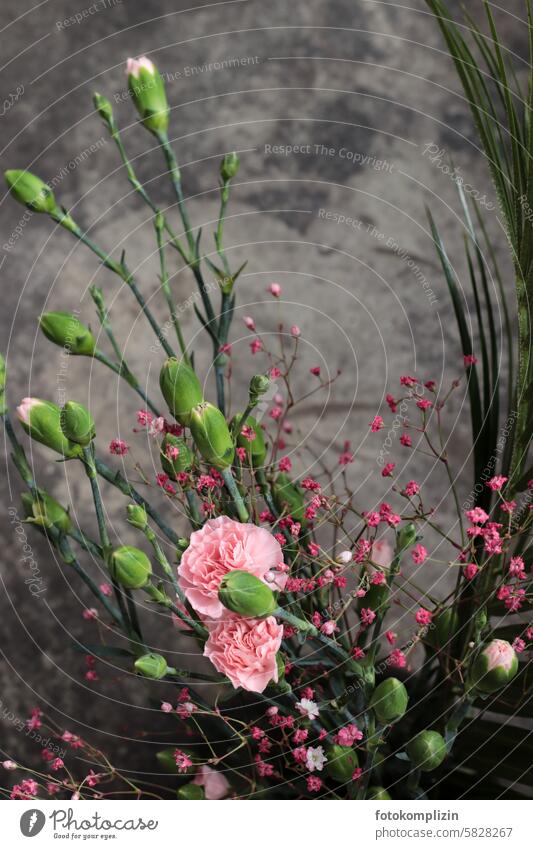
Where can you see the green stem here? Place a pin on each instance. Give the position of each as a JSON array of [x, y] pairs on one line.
[[117, 480], [117, 268], [123, 372], [233, 490], [165, 286]]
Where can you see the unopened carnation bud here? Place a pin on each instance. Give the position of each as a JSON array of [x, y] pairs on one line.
[[211, 435], [379, 794], [30, 190], [191, 792], [406, 537], [493, 668], [64, 329], [130, 567], [46, 512], [137, 516], [288, 498], [77, 423], [427, 750], [151, 665], [259, 384], [342, 762], [103, 107], [181, 389], [246, 595], [42, 421], [389, 701], [148, 92], [255, 447], [229, 166], [176, 456]]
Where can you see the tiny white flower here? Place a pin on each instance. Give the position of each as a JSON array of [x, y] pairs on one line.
[[344, 557], [308, 708], [315, 758]]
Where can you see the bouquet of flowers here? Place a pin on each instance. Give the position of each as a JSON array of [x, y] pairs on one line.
[[284, 585]]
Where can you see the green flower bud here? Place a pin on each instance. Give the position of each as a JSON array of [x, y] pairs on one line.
[[406, 537], [288, 498], [191, 792], [259, 384], [379, 794], [130, 567], [148, 92], [246, 595], [3, 406], [65, 330], [31, 191], [389, 701], [211, 435], [151, 665], [181, 389], [342, 761], [42, 421], [77, 423], [173, 465], [255, 448], [443, 629], [494, 666], [46, 512], [168, 763], [137, 516], [376, 598], [427, 750], [229, 166], [103, 107]]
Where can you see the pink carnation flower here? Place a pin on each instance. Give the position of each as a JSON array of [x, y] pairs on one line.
[[245, 650], [221, 546]]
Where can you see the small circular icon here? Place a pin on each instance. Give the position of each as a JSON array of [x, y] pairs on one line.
[[32, 822]]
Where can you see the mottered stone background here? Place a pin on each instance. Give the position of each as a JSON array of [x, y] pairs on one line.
[[332, 106]]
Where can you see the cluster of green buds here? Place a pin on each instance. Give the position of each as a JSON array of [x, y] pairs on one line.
[[493, 667], [182, 391], [389, 701], [130, 567], [427, 750], [42, 422], [65, 330], [245, 594], [148, 92], [45, 512]]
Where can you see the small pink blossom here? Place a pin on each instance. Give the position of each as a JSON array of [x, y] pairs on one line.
[[469, 360], [387, 470], [274, 289], [419, 554], [412, 488], [376, 424], [295, 331], [496, 482], [470, 571], [249, 322], [423, 616], [119, 447]]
